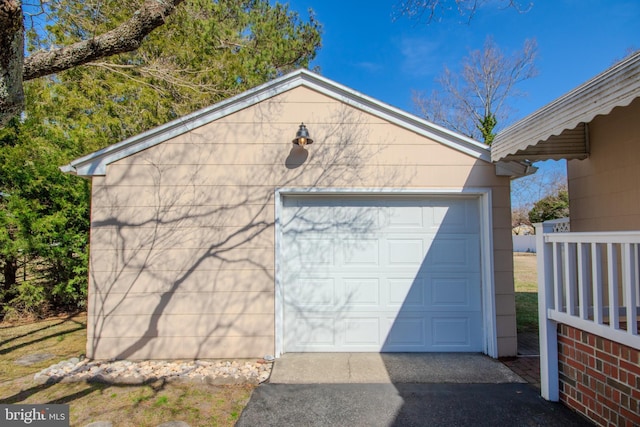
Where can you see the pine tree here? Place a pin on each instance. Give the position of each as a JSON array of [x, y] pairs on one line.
[[207, 51]]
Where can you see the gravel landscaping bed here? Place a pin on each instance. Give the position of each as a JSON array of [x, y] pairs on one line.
[[217, 372]]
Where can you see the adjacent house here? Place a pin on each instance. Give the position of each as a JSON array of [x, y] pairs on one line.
[[215, 236], [589, 278]]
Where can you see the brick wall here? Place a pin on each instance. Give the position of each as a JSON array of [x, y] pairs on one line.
[[599, 378]]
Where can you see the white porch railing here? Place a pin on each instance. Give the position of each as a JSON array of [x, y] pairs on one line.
[[590, 281]]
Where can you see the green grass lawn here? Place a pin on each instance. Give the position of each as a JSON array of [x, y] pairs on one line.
[[144, 405], [526, 284]]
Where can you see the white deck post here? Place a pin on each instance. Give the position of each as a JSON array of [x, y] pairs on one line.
[[547, 328]]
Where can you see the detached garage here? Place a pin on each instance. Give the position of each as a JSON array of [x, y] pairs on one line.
[[214, 236]]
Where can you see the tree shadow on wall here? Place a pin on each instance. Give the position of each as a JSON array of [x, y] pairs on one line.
[[182, 250]]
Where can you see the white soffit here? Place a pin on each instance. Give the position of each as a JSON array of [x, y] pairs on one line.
[[96, 162], [560, 129]]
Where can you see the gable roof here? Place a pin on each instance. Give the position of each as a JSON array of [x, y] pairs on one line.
[[560, 129], [96, 162]]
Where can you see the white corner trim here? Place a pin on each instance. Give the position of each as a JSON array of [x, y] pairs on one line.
[[278, 285], [488, 277], [486, 249]]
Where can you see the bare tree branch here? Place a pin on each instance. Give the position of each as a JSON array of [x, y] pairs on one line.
[[15, 68], [125, 38], [163, 72], [429, 10], [474, 100]]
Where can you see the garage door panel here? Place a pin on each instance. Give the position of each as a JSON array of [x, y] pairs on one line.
[[311, 333], [452, 253], [385, 274], [363, 332], [362, 292], [455, 332], [455, 293], [448, 218], [358, 252], [405, 332], [457, 216], [312, 292], [310, 251], [332, 219], [402, 218], [406, 292], [447, 331], [405, 251]]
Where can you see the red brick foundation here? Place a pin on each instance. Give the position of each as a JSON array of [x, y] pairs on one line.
[[599, 378]]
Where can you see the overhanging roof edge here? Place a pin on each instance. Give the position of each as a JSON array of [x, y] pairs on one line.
[[617, 86]]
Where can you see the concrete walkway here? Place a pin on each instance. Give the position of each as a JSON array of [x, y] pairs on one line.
[[376, 368], [421, 389]]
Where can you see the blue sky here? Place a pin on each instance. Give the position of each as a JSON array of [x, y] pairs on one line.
[[363, 47], [366, 50]]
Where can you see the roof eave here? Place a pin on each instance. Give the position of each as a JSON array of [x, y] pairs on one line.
[[95, 163], [566, 118], [515, 169]]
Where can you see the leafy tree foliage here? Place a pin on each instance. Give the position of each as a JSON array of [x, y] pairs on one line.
[[527, 190], [205, 52], [43, 222], [486, 125], [553, 206]]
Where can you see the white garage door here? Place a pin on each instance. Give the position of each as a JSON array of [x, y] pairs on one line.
[[381, 274]]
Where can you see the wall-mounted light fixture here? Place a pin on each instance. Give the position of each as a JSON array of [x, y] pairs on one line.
[[302, 136]]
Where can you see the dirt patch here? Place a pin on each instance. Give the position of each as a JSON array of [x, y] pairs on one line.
[[32, 359]]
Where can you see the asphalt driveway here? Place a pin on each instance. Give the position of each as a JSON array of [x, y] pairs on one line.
[[358, 389]]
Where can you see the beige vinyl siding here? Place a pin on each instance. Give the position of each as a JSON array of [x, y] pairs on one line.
[[182, 241], [376, 175], [207, 302], [160, 281], [427, 154], [181, 347], [605, 188]]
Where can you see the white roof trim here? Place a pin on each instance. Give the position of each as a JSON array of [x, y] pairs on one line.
[[515, 169], [96, 162], [616, 87]]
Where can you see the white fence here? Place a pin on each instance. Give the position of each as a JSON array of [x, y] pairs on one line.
[[590, 281], [524, 243]]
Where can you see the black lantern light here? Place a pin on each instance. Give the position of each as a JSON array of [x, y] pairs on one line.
[[302, 136]]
